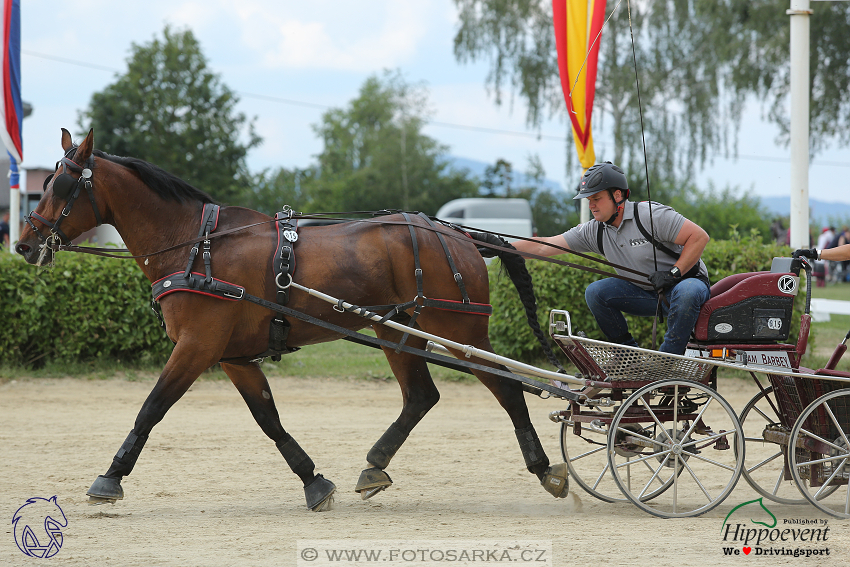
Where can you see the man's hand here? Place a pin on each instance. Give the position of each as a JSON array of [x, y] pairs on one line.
[[811, 253], [663, 280]]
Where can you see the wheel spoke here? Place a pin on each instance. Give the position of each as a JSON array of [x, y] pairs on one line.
[[847, 501], [707, 460], [694, 476], [657, 421], [654, 475], [838, 425], [778, 480], [661, 482], [826, 460], [764, 415], [592, 451], [699, 416], [822, 440], [599, 478], [639, 436], [708, 438], [660, 453], [764, 462], [832, 476]]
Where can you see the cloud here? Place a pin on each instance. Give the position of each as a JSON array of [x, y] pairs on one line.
[[362, 36]]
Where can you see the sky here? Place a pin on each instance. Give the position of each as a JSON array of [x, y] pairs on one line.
[[290, 61]]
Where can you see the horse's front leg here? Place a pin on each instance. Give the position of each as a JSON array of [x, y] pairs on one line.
[[187, 361], [254, 388]]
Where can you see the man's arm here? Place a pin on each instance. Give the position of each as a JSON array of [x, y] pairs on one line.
[[693, 240], [541, 245], [837, 254]]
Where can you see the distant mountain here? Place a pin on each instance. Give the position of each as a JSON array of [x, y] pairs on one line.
[[477, 168], [821, 212]]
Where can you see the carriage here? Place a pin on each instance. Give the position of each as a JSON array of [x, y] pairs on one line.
[[641, 426], [654, 430]]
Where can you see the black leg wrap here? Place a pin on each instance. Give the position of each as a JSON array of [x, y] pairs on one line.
[[300, 463], [382, 452], [531, 448], [125, 458]]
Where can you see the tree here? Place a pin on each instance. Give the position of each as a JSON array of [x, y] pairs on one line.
[[376, 157], [272, 190], [697, 60], [171, 110]]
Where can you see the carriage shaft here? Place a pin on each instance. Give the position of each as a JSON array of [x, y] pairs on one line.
[[468, 350]]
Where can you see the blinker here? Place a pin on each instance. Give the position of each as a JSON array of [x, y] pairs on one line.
[[63, 184]]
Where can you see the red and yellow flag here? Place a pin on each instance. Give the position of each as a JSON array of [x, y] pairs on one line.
[[577, 25]]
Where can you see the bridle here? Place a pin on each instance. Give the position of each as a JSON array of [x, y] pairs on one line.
[[66, 186]]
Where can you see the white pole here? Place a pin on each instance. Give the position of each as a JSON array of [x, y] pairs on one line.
[[799, 13]]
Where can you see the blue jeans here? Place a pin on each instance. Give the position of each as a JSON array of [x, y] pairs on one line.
[[609, 298]]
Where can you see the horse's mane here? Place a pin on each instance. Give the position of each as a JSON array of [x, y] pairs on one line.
[[164, 184]]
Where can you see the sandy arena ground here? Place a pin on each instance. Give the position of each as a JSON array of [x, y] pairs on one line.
[[210, 489]]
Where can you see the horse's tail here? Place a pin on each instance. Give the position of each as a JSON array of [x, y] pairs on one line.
[[514, 264]]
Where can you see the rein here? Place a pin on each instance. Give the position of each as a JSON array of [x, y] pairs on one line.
[[111, 252]]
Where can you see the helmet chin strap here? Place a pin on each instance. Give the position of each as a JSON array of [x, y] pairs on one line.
[[620, 205]]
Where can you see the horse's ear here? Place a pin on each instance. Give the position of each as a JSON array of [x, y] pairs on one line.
[[84, 150], [67, 142]]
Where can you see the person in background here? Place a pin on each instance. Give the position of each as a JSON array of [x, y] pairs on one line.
[[4, 230], [620, 232], [825, 238], [821, 268]]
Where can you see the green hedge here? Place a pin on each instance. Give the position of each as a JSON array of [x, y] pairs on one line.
[[88, 307], [85, 307], [559, 287]]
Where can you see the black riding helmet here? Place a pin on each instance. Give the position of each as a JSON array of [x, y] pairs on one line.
[[604, 177]]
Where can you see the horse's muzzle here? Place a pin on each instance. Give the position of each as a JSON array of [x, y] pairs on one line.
[[30, 253]]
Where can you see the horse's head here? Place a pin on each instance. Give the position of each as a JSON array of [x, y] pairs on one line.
[[56, 220]]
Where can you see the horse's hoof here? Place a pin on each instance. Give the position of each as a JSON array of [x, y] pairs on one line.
[[371, 482], [556, 480], [105, 490], [97, 501], [319, 494]]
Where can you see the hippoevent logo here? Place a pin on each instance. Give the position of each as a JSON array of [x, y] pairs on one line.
[[38, 527], [756, 531]]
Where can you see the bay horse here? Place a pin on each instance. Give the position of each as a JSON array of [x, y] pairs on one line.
[[367, 263]]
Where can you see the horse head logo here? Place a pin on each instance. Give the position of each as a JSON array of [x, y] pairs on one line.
[[771, 523], [38, 527]]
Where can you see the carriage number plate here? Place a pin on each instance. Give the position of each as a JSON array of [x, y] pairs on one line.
[[767, 358]]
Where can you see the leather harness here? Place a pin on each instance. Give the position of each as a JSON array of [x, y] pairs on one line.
[[283, 267]]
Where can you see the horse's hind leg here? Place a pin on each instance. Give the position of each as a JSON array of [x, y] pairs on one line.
[[419, 394], [254, 388], [510, 395]]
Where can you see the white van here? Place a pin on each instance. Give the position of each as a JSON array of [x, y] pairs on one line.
[[505, 216]]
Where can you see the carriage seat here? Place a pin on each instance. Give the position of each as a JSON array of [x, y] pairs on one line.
[[752, 307]]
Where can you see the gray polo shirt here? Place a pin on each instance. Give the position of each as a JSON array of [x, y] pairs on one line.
[[626, 245]]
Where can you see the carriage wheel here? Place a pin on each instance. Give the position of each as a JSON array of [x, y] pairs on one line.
[[706, 428], [820, 463], [764, 462], [587, 460]]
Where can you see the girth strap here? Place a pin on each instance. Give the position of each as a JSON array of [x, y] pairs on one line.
[[209, 222]]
